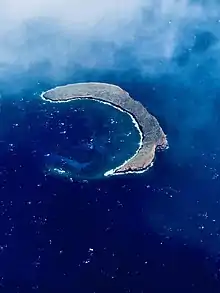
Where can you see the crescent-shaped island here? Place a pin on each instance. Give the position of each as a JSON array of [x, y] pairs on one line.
[[151, 134]]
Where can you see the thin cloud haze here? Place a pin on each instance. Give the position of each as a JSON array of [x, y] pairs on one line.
[[93, 33]]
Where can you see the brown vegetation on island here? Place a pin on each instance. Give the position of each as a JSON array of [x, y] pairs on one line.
[[153, 135]]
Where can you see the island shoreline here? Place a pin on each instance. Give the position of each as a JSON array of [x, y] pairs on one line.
[[125, 168]]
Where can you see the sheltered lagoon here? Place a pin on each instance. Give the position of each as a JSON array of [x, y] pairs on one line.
[[83, 139], [150, 134]]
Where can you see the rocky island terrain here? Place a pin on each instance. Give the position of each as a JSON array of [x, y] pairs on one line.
[[152, 135]]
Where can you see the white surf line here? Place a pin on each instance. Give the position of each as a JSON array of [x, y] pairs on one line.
[[112, 171]]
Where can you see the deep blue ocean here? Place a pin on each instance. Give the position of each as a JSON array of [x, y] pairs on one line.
[[153, 232]]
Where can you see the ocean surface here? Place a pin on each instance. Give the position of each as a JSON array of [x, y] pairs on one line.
[[141, 233]]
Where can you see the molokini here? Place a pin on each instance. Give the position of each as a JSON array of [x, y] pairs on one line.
[[151, 134]]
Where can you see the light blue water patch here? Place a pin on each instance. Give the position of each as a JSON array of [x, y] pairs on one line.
[[63, 166], [56, 159]]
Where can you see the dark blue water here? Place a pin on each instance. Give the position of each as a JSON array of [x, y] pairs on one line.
[[142, 233], [82, 139]]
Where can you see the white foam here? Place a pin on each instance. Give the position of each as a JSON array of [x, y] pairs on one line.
[[112, 172]]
